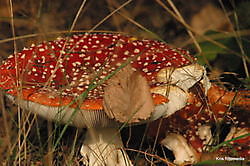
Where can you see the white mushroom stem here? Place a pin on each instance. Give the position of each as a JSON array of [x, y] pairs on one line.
[[183, 152], [103, 146], [205, 134]]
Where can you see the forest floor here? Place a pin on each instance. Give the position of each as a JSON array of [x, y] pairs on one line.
[[32, 21]]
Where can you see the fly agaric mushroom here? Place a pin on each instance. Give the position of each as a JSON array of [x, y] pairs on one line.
[[66, 80], [191, 126]]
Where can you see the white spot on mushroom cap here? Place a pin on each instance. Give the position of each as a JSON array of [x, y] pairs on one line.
[[136, 50]]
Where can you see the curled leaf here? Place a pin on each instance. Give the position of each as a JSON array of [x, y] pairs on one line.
[[127, 97]]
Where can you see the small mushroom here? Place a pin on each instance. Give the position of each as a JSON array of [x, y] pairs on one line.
[[68, 80], [183, 152], [195, 120]]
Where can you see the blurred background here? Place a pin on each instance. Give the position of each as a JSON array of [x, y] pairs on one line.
[[217, 32]]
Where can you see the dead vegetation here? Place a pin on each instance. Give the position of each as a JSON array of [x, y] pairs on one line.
[[213, 30]]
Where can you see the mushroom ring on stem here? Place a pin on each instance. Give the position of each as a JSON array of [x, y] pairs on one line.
[[100, 81]]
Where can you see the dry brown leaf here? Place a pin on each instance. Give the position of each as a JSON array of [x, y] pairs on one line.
[[127, 97], [210, 18]]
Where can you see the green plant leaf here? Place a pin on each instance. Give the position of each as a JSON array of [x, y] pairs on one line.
[[211, 50], [210, 162]]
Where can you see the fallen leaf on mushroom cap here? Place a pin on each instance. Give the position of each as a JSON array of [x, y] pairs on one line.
[[127, 97]]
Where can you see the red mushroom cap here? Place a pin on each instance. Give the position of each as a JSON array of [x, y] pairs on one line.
[[54, 73]]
